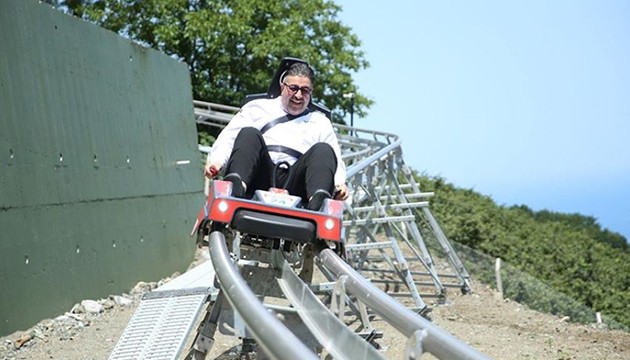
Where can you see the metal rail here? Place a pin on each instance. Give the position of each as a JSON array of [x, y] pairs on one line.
[[436, 341], [272, 336], [339, 340]]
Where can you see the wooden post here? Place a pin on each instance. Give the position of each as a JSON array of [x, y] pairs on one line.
[[497, 272]]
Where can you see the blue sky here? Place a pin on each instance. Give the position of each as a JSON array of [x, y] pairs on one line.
[[527, 102]]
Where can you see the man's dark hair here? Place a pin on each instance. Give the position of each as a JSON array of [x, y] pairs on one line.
[[300, 69]]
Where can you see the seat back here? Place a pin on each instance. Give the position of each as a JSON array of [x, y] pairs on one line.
[[274, 88]]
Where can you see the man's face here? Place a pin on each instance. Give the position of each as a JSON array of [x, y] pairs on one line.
[[296, 94]]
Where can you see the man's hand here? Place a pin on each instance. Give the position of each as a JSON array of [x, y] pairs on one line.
[[341, 192], [212, 170]]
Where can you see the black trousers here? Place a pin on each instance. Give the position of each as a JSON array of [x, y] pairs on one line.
[[315, 170]]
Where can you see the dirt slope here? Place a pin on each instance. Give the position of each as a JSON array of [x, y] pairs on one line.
[[502, 329]]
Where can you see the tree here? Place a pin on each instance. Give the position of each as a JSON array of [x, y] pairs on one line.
[[233, 47]]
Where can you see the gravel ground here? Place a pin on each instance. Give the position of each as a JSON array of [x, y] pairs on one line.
[[502, 329]]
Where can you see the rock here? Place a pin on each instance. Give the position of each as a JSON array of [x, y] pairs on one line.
[[108, 304], [71, 315], [38, 334], [78, 309], [122, 301], [62, 318], [142, 287], [47, 323], [23, 339], [92, 307]]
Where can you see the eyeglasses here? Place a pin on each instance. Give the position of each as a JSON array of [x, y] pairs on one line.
[[306, 91]]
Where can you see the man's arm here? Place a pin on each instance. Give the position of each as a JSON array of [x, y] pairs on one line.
[[222, 147]]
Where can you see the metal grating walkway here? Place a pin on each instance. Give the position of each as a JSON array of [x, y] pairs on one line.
[[165, 317]]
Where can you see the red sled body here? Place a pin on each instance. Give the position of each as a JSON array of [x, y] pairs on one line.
[[271, 214]]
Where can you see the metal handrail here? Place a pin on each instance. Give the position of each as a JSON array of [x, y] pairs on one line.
[[366, 162]]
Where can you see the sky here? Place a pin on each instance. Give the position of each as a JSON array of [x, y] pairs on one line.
[[527, 102]]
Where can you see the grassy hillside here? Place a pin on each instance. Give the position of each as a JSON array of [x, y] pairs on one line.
[[570, 253]]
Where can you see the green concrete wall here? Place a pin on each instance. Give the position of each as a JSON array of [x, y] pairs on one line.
[[100, 178]]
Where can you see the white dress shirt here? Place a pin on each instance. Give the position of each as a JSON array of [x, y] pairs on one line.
[[300, 133]]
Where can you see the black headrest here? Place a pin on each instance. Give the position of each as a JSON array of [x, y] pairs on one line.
[[285, 64], [274, 87]]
